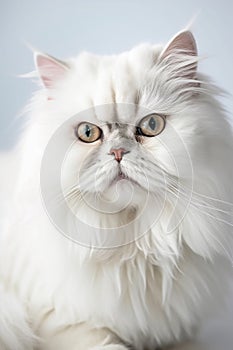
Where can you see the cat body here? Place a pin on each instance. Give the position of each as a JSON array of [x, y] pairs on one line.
[[156, 260]]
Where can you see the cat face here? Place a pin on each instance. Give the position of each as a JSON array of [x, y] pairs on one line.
[[139, 128], [129, 122], [119, 164]]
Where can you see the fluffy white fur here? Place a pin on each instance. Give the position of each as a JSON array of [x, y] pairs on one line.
[[155, 290]]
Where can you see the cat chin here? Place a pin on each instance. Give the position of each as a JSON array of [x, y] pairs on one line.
[[123, 194], [115, 198]]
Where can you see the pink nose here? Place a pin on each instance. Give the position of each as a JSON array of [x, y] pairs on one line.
[[118, 153]]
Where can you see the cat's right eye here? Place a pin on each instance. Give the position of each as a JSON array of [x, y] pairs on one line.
[[88, 132], [151, 125]]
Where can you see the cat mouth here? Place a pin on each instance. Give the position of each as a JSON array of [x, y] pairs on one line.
[[122, 176]]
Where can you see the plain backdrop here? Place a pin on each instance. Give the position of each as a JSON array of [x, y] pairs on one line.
[[63, 28]]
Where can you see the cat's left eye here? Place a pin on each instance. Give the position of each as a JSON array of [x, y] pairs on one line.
[[88, 132], [151, 125]]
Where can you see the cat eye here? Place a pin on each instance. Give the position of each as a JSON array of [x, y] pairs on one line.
[[151, 125], [88, 132]]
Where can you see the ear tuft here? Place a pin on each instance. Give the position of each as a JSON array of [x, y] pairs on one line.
[[50, 69]]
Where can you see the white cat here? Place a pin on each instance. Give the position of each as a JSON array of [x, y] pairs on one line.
[[119, 232]]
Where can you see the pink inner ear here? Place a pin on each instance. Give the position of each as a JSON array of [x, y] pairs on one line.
[[50, 70], [183, 42]]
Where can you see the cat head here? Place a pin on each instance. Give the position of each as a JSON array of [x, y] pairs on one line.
[[135, 131]]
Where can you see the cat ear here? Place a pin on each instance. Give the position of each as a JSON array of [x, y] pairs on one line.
[[182, 44], [50, 69]]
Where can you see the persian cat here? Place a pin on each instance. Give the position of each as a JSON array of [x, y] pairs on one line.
[[119, 234]]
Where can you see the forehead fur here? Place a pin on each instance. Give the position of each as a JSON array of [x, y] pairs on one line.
[[98, 80], [135, 61]]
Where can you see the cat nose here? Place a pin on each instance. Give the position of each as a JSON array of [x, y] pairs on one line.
[[118, 153]]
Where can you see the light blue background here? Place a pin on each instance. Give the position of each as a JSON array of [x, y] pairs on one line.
[[64, 28]]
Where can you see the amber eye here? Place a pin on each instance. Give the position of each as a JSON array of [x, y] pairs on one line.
[[88, 132], [151, 125]]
